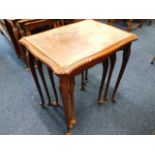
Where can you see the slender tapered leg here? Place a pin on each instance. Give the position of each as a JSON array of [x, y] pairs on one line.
[[40, 69], [55, 103], [126, 55], [104, 74], [82, 81], [112, 64], [66, 93], [86, 75], [34, 74], [72, 83]]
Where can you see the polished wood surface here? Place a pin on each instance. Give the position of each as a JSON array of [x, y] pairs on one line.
[[67, 48]]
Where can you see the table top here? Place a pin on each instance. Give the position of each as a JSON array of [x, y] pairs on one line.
[[70, 47]]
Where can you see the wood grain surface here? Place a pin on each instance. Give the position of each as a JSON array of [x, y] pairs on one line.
[[70, 47]]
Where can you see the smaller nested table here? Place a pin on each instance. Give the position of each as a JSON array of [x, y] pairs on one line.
[[71, 49]]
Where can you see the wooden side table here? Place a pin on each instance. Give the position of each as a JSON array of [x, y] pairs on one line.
[[71, 49]]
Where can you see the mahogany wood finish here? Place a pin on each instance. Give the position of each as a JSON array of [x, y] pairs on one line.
[[70, 50], [67, 89]]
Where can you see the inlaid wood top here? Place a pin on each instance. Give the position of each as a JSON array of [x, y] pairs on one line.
[[67, 48]]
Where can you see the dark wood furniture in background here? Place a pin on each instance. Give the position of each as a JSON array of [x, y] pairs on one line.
[[16, 32], [70, 50], [130, 23], [15, 35]]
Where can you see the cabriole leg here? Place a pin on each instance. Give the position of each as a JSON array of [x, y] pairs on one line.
[[66, 88], [112, 64], [126, 55]]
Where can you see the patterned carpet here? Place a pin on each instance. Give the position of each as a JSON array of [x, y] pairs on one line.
[[134, 112]]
